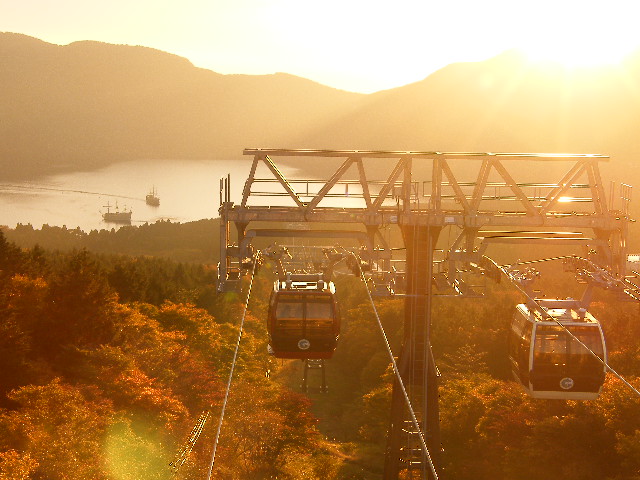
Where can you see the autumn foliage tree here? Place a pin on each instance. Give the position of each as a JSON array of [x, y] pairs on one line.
[[108, 361], [94, 388]]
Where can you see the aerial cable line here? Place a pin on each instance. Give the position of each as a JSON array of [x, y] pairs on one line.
[[529, 262], [233, 365], [396, 371], [414, 306], [504, 270], [183, 454], [600, 270]]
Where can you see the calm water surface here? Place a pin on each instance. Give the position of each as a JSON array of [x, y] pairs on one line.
[[188, 191]]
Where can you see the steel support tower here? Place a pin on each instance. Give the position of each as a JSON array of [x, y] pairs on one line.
[[483, 198]]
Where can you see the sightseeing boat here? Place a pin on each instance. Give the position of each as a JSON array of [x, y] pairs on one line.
[[152, 198], [116, 216]]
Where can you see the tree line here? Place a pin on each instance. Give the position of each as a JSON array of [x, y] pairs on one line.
[[195, 242]]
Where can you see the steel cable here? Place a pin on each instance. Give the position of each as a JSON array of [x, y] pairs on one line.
[[504, 270], [233, 364], [396, 371]]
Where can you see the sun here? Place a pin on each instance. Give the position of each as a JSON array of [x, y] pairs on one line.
[[581, 34], [578, 53]]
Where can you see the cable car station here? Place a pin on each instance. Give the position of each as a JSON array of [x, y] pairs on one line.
[[482, 201]]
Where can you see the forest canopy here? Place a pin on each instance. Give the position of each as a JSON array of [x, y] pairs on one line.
[[110, 360]]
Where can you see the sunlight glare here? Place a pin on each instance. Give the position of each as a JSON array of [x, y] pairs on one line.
[[578, 35], [578, 53]]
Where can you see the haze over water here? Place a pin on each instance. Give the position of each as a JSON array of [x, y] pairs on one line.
[[188, 191]]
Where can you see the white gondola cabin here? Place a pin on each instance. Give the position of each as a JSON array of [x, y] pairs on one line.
[[550, 363], [303, 320]]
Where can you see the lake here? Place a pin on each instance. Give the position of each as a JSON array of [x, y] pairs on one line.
[[188, 191]]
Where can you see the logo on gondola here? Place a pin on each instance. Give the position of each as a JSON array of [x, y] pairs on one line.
[[304, 344], [566, 383]]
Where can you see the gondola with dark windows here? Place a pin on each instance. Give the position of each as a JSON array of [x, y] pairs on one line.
[[303, 320], [548, 361]]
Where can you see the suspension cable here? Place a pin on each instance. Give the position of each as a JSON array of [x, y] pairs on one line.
[[608, 367], [256, 259], [529, 262], [620, 282], [412, 278], [396, 371]]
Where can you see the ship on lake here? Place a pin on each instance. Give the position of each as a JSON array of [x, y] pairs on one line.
[[152, 198], [117, 216]]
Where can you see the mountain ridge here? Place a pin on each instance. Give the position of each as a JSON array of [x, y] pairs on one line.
[[89, 104]]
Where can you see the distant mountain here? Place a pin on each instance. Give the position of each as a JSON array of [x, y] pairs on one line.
[[502, 104], [88, 104]]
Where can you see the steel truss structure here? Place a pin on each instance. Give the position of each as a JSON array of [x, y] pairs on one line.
[[484, 198]]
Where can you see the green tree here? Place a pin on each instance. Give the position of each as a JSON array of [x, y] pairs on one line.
[[80, 307], [11, 258], [22, 305]]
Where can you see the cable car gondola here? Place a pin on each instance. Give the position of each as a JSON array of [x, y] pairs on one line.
[[303, 320], [550, 363]]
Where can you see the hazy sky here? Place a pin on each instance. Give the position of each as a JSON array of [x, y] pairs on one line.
[[355, 45]]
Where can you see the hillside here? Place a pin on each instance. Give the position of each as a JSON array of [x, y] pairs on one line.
[[502, 104], [88, 104]]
